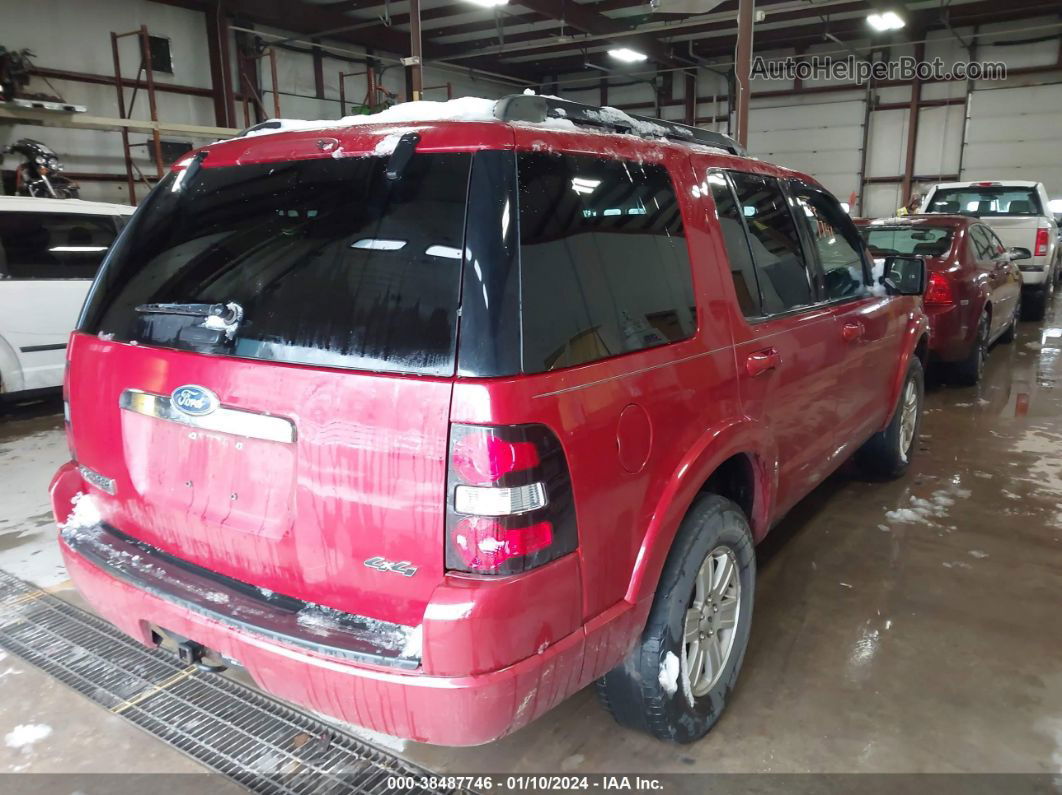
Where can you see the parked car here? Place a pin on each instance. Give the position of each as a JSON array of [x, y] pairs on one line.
[[50, 250], [430, 426], [973, 292], [1019, 213]]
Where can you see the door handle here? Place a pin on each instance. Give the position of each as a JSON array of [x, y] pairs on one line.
[[762, 362], [851, 332]]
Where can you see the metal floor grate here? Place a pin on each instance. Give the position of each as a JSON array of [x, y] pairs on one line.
[[235, 730]]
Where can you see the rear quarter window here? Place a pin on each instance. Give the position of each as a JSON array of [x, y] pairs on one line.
[[605, 269]]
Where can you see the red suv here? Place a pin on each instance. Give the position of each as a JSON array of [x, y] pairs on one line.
[[430, 425]]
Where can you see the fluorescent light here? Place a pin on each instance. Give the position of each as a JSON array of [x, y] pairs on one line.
[[489, 3], [627, 55], [78, 249], [885, 21], [449, 252], [583, 185], [378, 244]]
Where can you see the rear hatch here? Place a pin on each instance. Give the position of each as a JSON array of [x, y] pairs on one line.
[[264, 367]]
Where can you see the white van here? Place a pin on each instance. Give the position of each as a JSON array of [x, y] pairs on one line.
[[50, 249]]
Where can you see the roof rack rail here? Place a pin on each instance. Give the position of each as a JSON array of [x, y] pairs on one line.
[[536, 108]]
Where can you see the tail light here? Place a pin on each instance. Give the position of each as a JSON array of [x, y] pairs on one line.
[[1042, 240], [67, 425], [938, 290], [509, 504]]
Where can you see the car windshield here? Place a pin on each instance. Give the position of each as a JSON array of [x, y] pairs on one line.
[[325, 262], [986, 201], [907, 240]]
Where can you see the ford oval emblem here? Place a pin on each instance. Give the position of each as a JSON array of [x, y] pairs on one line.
[[194, 400]]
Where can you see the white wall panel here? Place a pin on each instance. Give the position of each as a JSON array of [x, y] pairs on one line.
[[1013, 133]]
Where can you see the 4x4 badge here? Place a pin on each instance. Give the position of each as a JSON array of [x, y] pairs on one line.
[[403, 567]]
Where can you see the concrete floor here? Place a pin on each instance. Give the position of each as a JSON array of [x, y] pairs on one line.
[[912, 626]]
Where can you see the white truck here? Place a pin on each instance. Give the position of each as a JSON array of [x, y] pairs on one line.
[[1019, 213], [50, 250]]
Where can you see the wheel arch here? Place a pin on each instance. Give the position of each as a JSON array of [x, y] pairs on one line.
[[11, 376], [915, 343], [738, 461]]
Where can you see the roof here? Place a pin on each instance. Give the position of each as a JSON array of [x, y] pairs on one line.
[[33, 204], [529, 108], [980, 183], [923, 219]]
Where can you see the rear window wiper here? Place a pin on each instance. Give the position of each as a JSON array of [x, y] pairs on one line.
[[218, 317]]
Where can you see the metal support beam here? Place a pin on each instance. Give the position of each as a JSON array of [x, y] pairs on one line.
[[217, 30], [742, 68], [913, 115], [416, 70], [318, 71]]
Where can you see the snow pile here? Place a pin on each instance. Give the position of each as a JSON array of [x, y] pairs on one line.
[[669, 673], [877, 270], [84, 516], [23, 736], [461, 109]]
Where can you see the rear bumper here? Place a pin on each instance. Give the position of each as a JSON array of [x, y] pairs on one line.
[[949, 337], [445, 710], [1034, 271]]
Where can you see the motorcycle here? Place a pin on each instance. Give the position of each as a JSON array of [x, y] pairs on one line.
[[40, 175]]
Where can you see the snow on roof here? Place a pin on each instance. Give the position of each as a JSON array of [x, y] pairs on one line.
[[461, 109]]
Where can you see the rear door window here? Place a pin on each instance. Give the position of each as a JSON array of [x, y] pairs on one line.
[[742, 269], [37, 245], [605, 269], [784, 278], [332, 263]]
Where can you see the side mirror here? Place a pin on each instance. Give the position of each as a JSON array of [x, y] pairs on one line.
[[904, 275], [1017, 252]]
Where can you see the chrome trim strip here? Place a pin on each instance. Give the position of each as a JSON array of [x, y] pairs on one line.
[[96, 479], [223, 420]]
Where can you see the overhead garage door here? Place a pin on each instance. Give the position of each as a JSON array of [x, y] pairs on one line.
[[822, 139], [1013, 134]]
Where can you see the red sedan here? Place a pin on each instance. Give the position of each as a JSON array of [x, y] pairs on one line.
[[973, 294]]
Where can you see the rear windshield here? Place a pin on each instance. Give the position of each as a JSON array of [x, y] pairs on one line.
[[331, 263], [907, 240], [53, 245], [987, 201]]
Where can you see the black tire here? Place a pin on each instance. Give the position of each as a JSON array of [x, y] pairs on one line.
[[1036, 301], [969, 371], [1007, 336], [650, 690], [881, 455]]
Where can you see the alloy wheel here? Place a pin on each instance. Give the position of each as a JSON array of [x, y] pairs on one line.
[[711, 622], [908, 418]]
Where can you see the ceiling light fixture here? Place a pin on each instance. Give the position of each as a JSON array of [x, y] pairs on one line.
[[885, 21], [628, 55], [489, 3]]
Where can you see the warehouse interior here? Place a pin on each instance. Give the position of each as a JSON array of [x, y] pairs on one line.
[[908, 626]]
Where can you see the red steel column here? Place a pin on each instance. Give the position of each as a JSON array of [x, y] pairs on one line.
[[742, 67]]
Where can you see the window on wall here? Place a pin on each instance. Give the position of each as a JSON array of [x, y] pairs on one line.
[[161, 57], [742, 270], [604, 264], [837, 243], [784, 279], [53, 245]]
